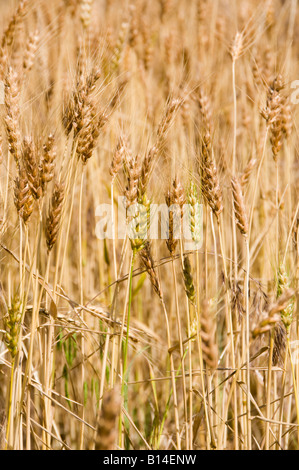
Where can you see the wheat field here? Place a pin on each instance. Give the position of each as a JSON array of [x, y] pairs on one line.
[[132, 342]]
